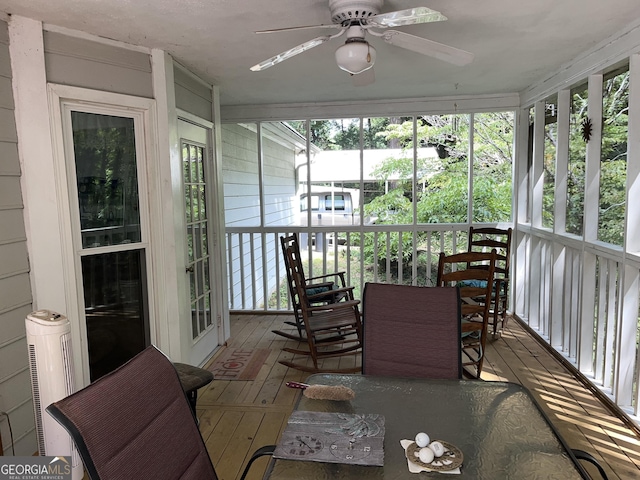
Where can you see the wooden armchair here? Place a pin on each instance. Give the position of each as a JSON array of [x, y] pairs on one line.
[[486, 239], [472, 273]]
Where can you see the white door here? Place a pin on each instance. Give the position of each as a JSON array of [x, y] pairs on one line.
[[204, 314], [106, 171]]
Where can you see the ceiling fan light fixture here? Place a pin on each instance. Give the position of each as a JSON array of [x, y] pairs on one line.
[[355, 56]]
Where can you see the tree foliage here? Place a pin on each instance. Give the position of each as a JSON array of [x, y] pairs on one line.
[[613, 159], [343, 134], [441, 185], [613, 162]]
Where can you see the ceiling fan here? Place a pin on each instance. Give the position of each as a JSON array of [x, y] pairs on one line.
[[355, 18]]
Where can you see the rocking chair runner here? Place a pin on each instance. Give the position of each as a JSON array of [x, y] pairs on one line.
[[321, 289], [332, 330]]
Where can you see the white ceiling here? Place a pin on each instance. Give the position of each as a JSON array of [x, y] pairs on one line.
[[515, 43]]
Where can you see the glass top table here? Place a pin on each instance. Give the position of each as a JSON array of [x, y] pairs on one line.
[[498, 426]]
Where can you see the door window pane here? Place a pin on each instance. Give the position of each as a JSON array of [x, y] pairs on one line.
[[107, 180], [115, 301], [193, 160]]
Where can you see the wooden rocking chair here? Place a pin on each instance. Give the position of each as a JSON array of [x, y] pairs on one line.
[[332, 330], [321, 289]]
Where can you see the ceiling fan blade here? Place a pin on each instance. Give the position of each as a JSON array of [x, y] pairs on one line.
[[405, 17], [363, 79], [428, 47], [304, 27], [292, 52]]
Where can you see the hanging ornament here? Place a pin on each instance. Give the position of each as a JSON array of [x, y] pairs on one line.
[[586, 129]]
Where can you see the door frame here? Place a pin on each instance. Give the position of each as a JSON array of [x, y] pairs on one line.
[[198, 354], [62, 97]]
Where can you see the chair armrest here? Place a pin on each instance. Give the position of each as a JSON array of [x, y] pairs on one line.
[[261, 452], [329, 275], [501, 281], [309, 286], [335, 306], [582, 455], [334, 292]]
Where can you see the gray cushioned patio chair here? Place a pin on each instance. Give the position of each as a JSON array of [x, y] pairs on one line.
[[136, 423], [411, 331]]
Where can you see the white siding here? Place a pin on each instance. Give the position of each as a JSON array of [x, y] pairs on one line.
[[240, 176], [243, 207], [15, 290], [192, 95], [82, 63]]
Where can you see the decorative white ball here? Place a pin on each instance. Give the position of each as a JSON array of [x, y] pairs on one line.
[[422, 439], [437, 448], [426, 455]]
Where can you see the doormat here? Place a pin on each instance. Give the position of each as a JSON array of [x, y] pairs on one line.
[[239, 364]]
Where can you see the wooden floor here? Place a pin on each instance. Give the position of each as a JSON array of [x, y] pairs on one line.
[[237, 417]]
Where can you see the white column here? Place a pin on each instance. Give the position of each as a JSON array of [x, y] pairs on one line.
[[626, 358], [167, 208], [559, 221], [41, 205], [220, 263], [562, 162], [537, 177], [521, 177], [592, 162]]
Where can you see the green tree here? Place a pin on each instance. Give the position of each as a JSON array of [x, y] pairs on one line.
[[343, 134], [613, 159], [613, 164], [442, 184]]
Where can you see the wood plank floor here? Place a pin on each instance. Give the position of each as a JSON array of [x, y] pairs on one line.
[[237, 417]]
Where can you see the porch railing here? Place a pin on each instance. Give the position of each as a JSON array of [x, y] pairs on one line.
[[582, 298], [382, 253]]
